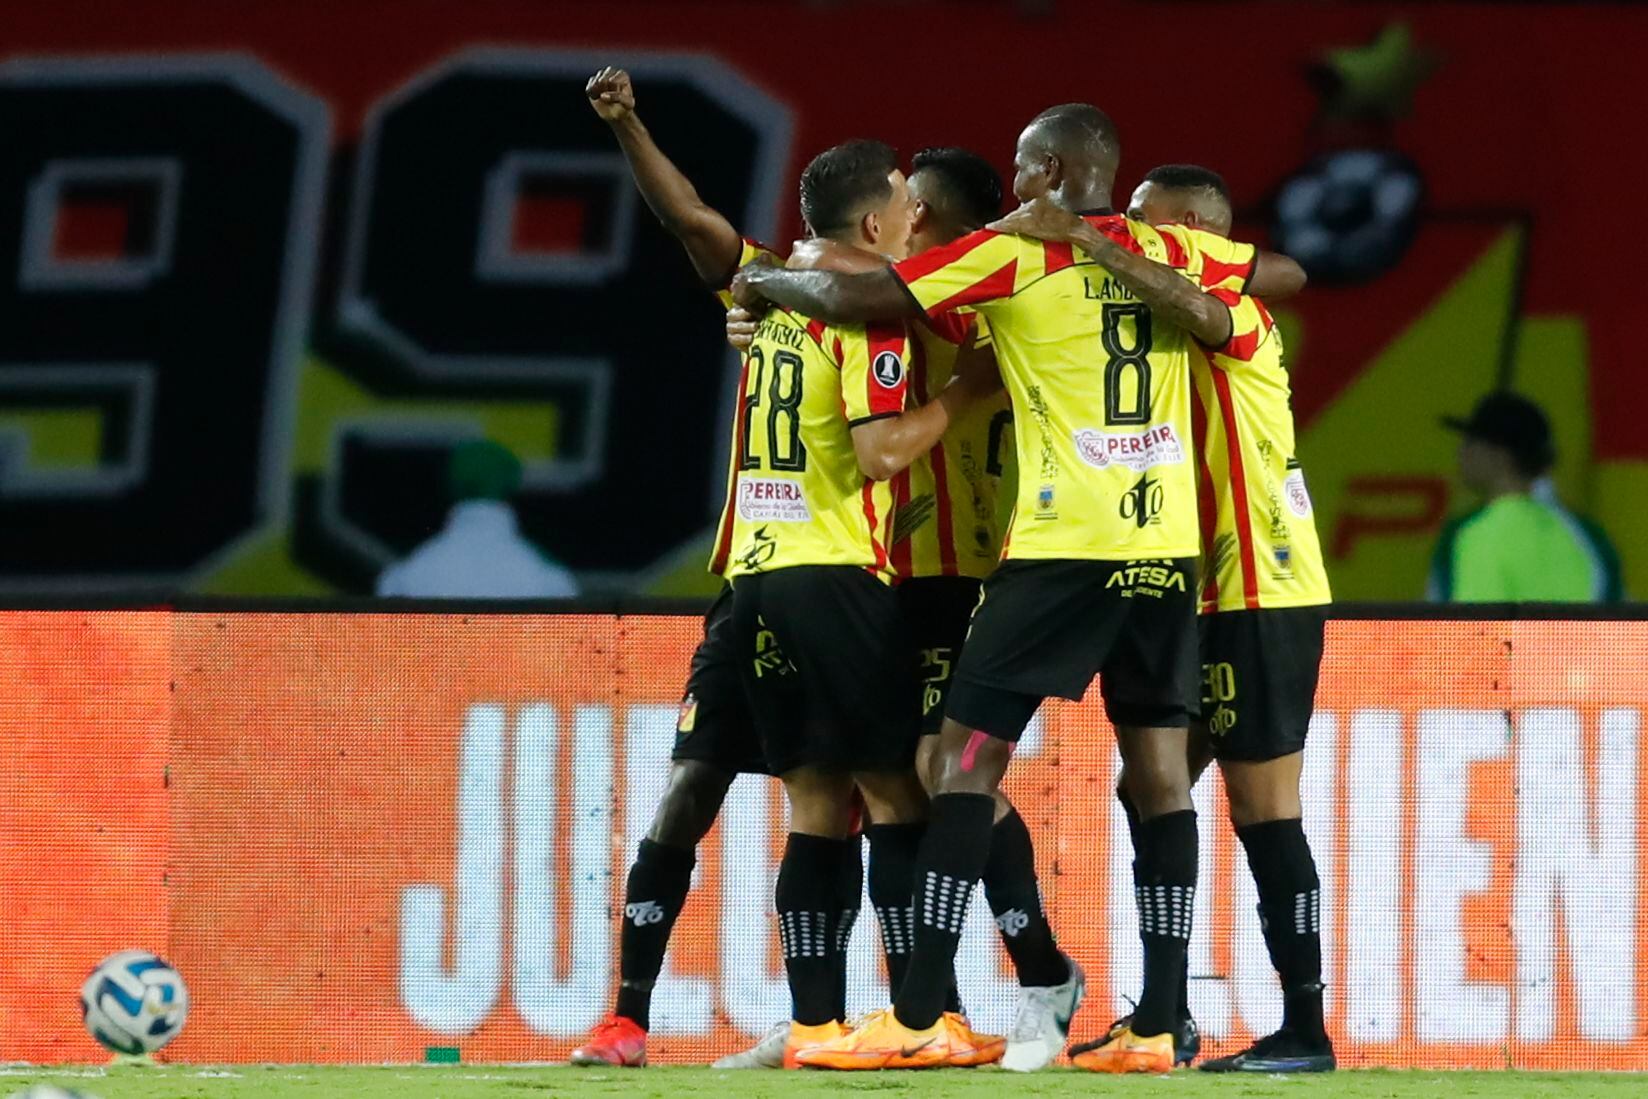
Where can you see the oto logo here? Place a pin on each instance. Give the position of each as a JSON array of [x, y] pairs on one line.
[[1143, 502]]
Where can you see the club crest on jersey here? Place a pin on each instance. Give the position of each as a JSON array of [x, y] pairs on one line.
[[1298, 497], [888, 369], [1134, 450]]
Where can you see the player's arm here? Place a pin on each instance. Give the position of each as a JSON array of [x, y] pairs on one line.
[[888, 446], [1167, 292], [1275, 276], [826, 295], [710, 240]]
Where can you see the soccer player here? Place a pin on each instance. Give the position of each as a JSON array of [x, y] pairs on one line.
[[715, 735], [1098, 565], [805, 541], [947, 538], [1263, 593]]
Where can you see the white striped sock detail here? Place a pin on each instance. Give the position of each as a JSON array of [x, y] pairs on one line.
[[944, 902], [898, 928], [1307, 913], [1165, 909], [804, 934]]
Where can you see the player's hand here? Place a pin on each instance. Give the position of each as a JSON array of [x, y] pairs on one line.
[[611, 94], [746, 289], [1041, 220], [741, 326]]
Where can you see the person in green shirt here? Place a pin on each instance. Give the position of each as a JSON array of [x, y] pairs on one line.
[[1521, 545]]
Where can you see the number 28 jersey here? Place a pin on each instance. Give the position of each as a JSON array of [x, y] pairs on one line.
[[1101, 393], [796, 495]]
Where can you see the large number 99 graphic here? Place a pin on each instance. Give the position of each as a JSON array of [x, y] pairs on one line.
[[168, 329], [173, 340]]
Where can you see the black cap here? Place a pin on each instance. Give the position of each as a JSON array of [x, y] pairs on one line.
[[1515, 423]]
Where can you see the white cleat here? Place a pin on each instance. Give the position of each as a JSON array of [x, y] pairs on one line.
[[767, 1053], [1043, 1023]]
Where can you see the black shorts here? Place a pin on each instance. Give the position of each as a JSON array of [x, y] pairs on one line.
[[937, 610], [828, 669], [1259, 671], [1048, 627], [715, 726]]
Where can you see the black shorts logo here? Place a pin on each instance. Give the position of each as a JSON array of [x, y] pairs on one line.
[[1143, 502], [888, 369]]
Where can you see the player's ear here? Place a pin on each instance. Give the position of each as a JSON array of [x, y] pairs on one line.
[[870, 227], [1191, 220], [918, 215]]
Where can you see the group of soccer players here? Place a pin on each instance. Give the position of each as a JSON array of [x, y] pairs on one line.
[[886, 635]]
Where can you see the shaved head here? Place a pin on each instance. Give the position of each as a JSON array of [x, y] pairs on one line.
[[1068, 154], [1077, 133]]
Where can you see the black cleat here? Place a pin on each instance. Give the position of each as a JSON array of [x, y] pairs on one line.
[[1187, 1043], [1283, 1052]]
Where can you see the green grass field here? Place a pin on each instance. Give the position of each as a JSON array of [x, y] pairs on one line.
[[485, 1082]]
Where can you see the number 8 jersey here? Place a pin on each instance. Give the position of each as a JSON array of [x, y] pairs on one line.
[[796, 495], [1101, 392]]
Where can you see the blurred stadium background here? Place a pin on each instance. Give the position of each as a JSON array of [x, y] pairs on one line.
[[263, 267], [273, 261]]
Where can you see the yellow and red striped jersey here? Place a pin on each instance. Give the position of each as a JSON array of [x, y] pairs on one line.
[[798, 496], [949, 520], [1259, 544], [1101, 395]]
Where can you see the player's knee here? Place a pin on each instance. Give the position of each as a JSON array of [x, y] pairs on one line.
[[968, 761], [690, 804], [1260, 792], [821, 804], [893, 797]]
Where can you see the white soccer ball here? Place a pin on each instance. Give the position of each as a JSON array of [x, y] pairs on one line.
[[134, 1002], [51, 1091]]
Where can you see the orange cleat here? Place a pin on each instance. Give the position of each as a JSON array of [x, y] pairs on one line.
[[884, 1042], [803, 1037], [972, 1048], [615, 1041], [1126, 1052]]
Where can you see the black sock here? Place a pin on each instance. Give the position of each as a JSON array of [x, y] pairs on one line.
[[1166, 896], [1015, 900], [806, 900], [1290, 911], [893, 851], [849, 893], [952, 857], [1133, 835], [653, 895]]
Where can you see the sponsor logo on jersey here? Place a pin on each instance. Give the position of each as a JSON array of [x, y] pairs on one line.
[[1135, 450], [760, 550], [772, 500], [1143, 502], [1298, 497], [1147, 578], [888, 369]]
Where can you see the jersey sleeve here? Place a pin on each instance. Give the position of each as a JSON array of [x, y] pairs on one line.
[[1218, 263], [875, 374], [975, 270], [1250, 326], [749, 252]]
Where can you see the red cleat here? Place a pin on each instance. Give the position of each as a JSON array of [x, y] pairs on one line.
[[615, 1041]]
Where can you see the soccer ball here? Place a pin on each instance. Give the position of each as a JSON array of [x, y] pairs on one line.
[[1349, 216], [134, 1002], [51, 1091]]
